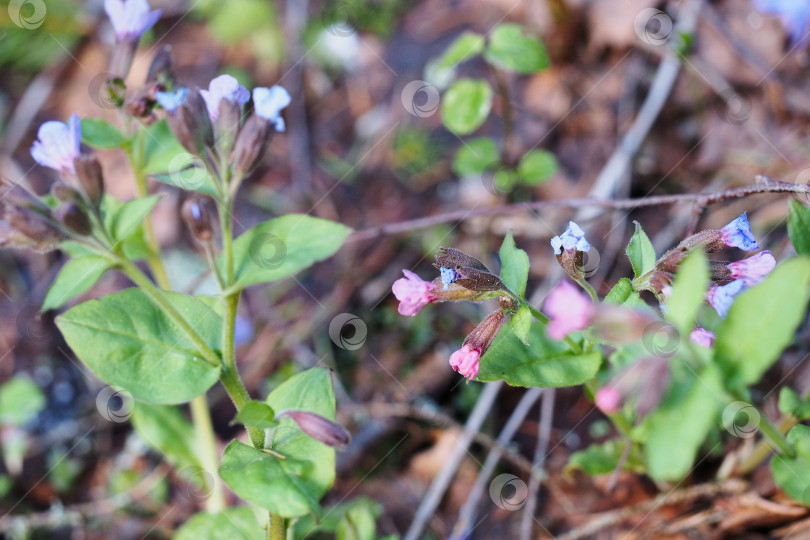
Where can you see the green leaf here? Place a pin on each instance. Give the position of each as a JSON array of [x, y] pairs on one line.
[[283, 246], [476, 156], [310, 391], [793, 474], [237, 523], [466, 46], [20, 401], [546, 363], [164, 429], [257, 414], [100, 134], [674, 432], [76, 277], [131, 215], [641, 253], [521, 322], [536, 167], [514, 266], [688, 292], [603, 458], [128, 341], [511, 49], [268, 481], [160, 149], [358, 523], [305, 526], [623, 293], [791, 403], [799, 227], [762, 322], [466, 105]]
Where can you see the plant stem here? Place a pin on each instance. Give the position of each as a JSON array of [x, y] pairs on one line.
[[277, 529], [763, 449], [775, 437], [206, 439]]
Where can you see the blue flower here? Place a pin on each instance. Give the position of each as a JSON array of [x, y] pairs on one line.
[[58, 144], [448, 276], [738, 234], [572, 238], [172, 100], [794, 14], [223, 87], [268, 103], [130, 18], [721, 297]]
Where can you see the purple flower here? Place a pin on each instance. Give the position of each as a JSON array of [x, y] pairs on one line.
[[223, 87], [58, 144], [413, 293], [130, 18], [738, 234], [701, 336], [568, 310], [721, 297], [753, 269], [171, 100], [465, 361], [268, 103], [794, 15], [572, 238]]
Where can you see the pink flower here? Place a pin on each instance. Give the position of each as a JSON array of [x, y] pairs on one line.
[[753, 269], [465, 361], [608, 399], [568, 310], [413, 293], [701, 336]]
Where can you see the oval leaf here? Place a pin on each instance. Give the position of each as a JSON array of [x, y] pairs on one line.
[[476, 156], [76, 277], [509, 48], [641, 252], [688, 292], [466, 105], [799, 227], [128, 341], [100, 134], [163, 428], [514, 266], [229, 524], [536, 167]]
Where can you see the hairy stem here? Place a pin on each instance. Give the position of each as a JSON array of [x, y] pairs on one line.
[[277, 529]]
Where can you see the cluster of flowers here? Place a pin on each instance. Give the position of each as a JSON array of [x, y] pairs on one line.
[[463, 277]]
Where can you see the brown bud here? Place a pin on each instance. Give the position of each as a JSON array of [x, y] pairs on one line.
[[74, 218], [198, 219], [91, 178], [34, 225], [227, 125], [64, 193], [319, 428], [484, 334], [455, 258], [720, 272], [191, 124], [250, 144], [508, 304], [160, 70], [121, 59]]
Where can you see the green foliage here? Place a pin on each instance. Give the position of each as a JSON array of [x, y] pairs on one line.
[[792, 474], [237, 523], [514, 266], [799, 227], [547, 363], [688, 292], [623, 294], [465, 47], [128, 341], [20, 401], [476, 156], [101, 134], [466, 105], [127, 219], [762, 322], [355, 518], [512, 49], [641, 253], [603, 458], [164, 429], [283, 246], [791, 403], [257, 414], [521, 322], [536, 167], [76, 277]]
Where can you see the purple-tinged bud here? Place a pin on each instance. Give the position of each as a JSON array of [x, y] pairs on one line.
[[319, 428], [64, 193], [738, 234], [722, 296], [58, 144], [198, 219], [90, 176], [250, 145], [753, 269], [701, 336], [160, 70], [74, 218], [188, 119], [484, 334]]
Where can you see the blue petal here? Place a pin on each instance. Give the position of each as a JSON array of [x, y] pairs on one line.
[[172, 100], [722, 297], [448, 277], [556, 243]]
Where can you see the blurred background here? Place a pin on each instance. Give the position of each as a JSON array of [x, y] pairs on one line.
[[372, 139]]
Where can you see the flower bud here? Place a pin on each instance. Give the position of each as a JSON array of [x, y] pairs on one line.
[[35, 226], [198, 219], [484, 334], [188, 119], [227, 125], [319, 428], [64, 193], [250, 144], [91, 178], [74, 218], [160, 70]]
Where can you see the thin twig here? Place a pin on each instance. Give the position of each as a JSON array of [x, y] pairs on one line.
[[466, 516], [540, 454], [704, 199], [442, 480]]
